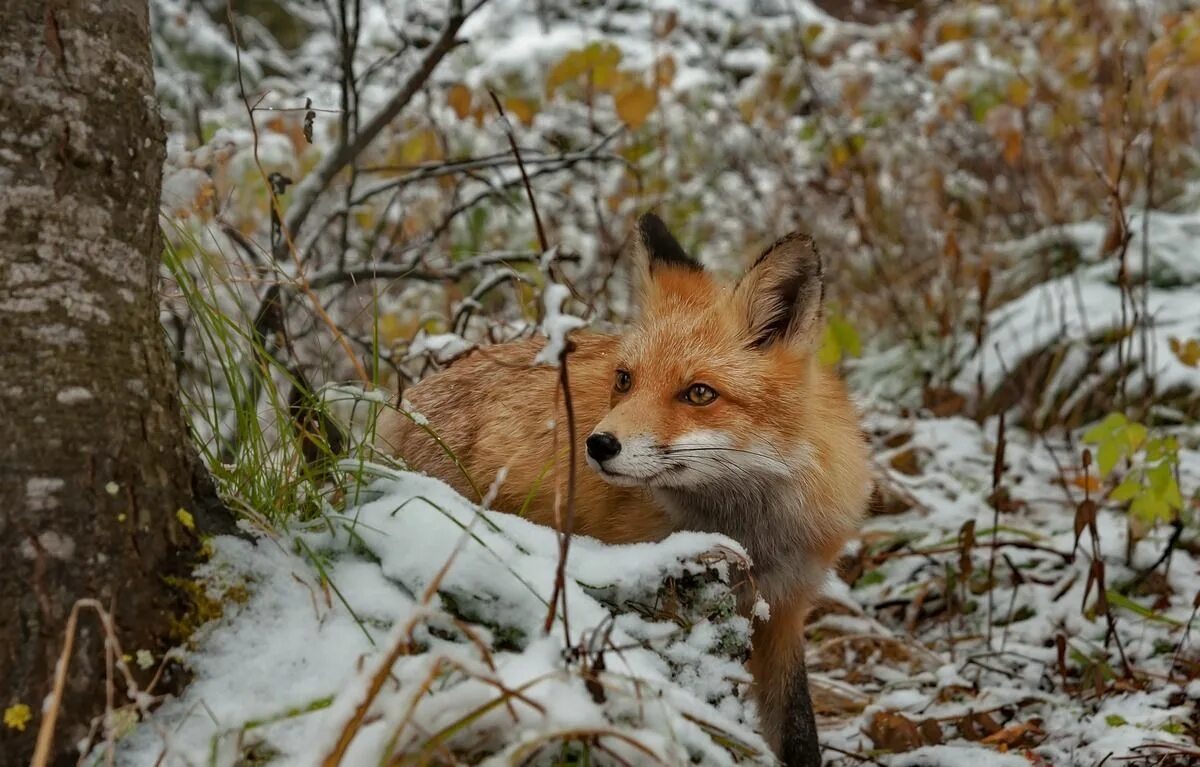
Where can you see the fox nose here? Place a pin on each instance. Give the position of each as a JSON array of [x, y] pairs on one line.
[[603, 445]]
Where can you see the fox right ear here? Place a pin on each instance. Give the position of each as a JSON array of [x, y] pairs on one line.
[[781, 296]]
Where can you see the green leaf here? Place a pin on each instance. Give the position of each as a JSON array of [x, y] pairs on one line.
[[1114, 720], [1135, 434], [829, 354], [847, 337], [1172, 496], [839, 341], [1104, 430], [1124, 602], [1160, 477], [1150, 509], [1107, 456], [1127, 490], [870, 578]]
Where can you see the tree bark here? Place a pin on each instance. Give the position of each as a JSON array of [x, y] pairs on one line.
[[95, 460]]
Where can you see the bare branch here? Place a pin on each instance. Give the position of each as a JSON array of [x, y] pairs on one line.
[[307, 191]]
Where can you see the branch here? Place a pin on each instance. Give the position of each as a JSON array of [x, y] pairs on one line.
[[307, 191], [415, 270]]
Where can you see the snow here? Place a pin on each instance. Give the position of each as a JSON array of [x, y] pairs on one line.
[[1087, 303], [285, 670], [442, 347], [556, 324]]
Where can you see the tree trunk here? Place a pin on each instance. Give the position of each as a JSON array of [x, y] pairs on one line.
[[95, 460]]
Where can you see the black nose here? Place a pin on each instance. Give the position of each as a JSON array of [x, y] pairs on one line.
[[603, 446]]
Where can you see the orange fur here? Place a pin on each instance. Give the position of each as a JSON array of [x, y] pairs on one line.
[[777, 461], [494, 411]]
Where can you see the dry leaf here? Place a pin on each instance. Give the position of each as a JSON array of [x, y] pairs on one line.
[[893, 731], [459, 99], [1023, 735], [635, 102], [522, 108]]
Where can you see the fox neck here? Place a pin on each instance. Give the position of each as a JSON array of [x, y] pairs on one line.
[[767, 518]]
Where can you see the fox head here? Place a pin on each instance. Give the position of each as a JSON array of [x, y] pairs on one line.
[[712, 384]]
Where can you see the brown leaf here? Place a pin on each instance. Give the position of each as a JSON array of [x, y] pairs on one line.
[[893, 731], [459, 99], [931, 732], [1022, 735], [1085, 516], [907, 462], [977, 726], [966, 542], [943, 402]]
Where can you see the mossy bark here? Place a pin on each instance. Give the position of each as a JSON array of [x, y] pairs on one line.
[[95, 460]]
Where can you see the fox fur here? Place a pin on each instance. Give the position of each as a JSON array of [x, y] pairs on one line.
[[775, 460]]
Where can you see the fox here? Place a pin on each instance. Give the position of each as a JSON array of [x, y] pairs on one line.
[[711, 412]]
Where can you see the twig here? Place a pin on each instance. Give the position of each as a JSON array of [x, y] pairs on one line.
[[995, 500], [305, 195], [566, 530]]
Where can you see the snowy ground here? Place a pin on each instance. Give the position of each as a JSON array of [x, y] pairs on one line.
[[895, 664], [283, 673]]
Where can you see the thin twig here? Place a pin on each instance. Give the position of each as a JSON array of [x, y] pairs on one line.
[[305, 195]]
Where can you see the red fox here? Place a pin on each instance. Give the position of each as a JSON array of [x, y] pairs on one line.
[[711, 413]]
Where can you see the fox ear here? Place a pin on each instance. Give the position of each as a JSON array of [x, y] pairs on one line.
[[782, 293], [656, 248], [662, 268]]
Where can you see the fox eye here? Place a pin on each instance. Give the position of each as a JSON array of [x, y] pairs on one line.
[[699, 394], [623, 381]]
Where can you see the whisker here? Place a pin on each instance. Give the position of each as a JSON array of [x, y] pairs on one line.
[[685, 446], [712, 449], [696, 463]]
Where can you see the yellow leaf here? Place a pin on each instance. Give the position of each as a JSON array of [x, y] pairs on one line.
[[1191, 46], [522, 108], [602, 56], [17, 716], [951, 31], [421, 146], [840, 154], [1018, 92], [459, 99], [569, 67], [635, 103], [598, 60], [185, 518], [1187, 351]]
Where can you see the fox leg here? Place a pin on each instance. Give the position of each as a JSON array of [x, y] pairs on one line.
[[798, 744], [781, 686]]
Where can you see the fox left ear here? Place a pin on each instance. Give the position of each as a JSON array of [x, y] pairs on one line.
[[781, 295], [659, 248], [662, 268]]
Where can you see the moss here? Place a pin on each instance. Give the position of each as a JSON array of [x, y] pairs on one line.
[[199, 607]]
